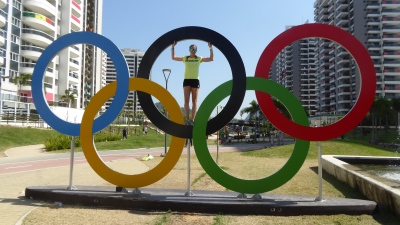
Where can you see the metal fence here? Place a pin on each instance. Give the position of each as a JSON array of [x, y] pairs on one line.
[[22, 119]]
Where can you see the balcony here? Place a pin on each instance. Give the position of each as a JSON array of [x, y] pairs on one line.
[[391, 55], [390, 20], [373, 22], [390, 4], [343, 84], [372, 5], [392, 89], [395, 71], [73, 65], [31, 52], [387, 63], [76, 23], [2, 37], [342, 13], [41, 6], [3, 3], [343, 92], [341, 6], [391, 46], [391, 37], [27, 68], [343, 60], [373, 13], [3, 16], [373, 30], [341, 22], [391, 29], [372, 47], [389, 12], [392, 80], [74, 51], [344, 100], [38, 21], [1, 58], [342, 53], [342, 69], [36, 37], [76, 9]]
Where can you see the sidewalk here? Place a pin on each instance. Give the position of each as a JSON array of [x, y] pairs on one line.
[[30, 150], [14, 206]]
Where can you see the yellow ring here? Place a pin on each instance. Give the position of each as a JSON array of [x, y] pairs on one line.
[[90, 151]]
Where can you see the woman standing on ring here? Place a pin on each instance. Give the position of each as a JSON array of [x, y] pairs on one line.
[[191, 82]]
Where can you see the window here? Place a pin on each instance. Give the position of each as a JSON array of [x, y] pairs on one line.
[[16, 22], [17, 4], [15, 39]]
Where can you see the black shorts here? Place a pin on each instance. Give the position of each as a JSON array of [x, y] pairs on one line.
[[194, 83]]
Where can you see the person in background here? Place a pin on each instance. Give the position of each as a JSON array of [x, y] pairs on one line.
[[124, 134]]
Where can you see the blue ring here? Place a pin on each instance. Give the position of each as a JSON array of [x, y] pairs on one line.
[[122, 78]]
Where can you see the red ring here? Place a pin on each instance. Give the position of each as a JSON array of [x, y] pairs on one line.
[[367, 88]]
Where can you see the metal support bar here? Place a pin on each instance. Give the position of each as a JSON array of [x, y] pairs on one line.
[[188, 192], [319, 198], [71, 167]]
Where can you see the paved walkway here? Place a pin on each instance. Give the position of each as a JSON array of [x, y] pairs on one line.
[[13, 205], [30, 150]]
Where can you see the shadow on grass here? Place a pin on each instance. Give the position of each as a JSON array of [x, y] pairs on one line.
[[381, 216]]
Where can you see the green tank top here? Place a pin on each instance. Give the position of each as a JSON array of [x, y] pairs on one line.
[[192, 67]]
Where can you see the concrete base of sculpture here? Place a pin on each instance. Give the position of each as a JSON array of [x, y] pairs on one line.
[[201, 201]]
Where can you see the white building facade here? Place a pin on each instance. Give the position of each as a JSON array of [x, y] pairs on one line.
[[133, 58], [26, 29]]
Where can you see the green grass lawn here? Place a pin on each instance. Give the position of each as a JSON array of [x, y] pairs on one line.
[[20, 136], [334, 147]]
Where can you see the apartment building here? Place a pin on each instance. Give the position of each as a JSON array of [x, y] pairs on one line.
[[376, 24], [133, 58], [295, 69], [26, 29]]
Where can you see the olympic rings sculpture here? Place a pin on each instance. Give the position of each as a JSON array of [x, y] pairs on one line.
[[236, 88]]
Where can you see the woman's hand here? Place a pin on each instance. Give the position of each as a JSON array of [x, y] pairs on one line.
[[173, 44], [209, 45]]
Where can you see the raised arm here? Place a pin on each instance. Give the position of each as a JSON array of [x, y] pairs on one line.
[[173, 53], [211, 58]]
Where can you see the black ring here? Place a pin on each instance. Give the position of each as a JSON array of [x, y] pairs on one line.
[[238, 73]]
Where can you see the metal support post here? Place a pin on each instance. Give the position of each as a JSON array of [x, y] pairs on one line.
[[71, 167]]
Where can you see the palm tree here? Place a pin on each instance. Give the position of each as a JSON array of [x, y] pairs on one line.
[[22, 80], [253, 110], [69, 96]]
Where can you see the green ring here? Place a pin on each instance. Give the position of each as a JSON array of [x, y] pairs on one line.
[[266, 184]]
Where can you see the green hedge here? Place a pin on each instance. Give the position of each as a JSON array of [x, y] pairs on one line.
[[62, 141]]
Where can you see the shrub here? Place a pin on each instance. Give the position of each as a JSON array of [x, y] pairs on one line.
[[62, 141]]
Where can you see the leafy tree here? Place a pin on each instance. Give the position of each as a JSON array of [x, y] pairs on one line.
[[129, 104], [379, 109], [69, 97], [396, 107]]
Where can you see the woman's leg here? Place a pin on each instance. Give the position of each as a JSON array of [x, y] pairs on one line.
[[186, 92], [195, 92]]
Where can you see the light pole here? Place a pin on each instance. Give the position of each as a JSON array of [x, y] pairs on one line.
[[166, 73]]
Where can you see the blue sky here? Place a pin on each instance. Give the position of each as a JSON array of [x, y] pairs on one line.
[[249, 25]]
